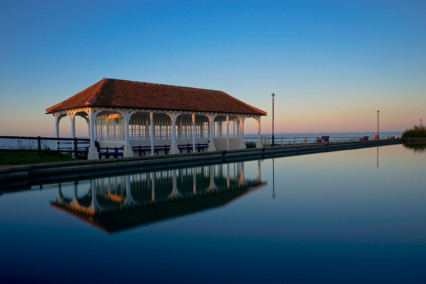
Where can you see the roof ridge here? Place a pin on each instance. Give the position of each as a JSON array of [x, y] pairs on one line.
[[168, 85]]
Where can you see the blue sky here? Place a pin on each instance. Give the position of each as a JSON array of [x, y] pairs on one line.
[[331, 64]]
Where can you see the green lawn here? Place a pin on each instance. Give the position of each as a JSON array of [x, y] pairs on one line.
[[22, 158]]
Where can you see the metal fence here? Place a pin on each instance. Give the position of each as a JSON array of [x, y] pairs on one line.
[[74, 146], [288, 140]]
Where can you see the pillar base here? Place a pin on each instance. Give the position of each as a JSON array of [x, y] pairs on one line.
[[128, 152], [243, 145], [259, 144], [212, 147], [93, 154], [173, 149]]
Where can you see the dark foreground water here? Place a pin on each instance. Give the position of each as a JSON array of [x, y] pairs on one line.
[[354, 216]]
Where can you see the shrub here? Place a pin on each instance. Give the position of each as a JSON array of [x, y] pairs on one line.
[[417, 131], [250, 145]]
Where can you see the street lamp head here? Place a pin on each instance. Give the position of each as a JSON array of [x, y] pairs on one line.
[[273, 96]]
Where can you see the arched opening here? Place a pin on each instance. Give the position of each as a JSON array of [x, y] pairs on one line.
[[228, 132], [110, 128], [64, 124], [81, 125]]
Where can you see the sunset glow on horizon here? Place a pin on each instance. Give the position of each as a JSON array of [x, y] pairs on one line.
[[331, 64]]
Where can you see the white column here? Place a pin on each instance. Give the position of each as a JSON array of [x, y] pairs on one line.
[[151, 117], [227, 132], [93, 152], [173, 146], [193, 133], [57, 119], [72, 119], [212, 146], [128, 152], [241, 133], [258, 143]]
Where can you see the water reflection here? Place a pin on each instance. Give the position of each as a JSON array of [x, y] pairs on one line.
[[121, 202], [416, 148]]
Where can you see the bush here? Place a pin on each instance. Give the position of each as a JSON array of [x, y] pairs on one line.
[[417, 131], [250, 145]]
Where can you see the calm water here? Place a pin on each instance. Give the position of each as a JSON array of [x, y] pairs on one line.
[[354, 216]]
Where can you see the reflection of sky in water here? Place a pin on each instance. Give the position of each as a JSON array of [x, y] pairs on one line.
[[336, 217]]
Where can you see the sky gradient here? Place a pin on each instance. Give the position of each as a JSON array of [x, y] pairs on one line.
[[331, 64]]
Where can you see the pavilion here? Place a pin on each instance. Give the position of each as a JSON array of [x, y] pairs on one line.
[[132, 114]]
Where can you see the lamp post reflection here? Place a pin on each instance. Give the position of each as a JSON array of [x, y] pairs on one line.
[[377, 163], [273, 178]]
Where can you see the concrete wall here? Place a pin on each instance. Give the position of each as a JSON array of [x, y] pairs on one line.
[[234, 144]]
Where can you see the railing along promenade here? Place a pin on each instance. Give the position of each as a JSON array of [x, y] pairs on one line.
[[291, 140], [39, 144]]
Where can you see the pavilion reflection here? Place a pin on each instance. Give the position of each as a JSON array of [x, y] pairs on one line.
[[121, 202]]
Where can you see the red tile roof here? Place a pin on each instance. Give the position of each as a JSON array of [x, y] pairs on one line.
[[140, 95]]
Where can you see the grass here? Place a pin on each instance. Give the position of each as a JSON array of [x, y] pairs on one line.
[[417, 131], [22, 158]]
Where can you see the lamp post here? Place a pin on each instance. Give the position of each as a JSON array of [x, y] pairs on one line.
[[378, 129], [273, 138]]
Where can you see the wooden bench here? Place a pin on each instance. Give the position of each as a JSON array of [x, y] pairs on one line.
[[165, 148], [141, 149], [157, 149], [187, 147], [111, 151], [201, 146]]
